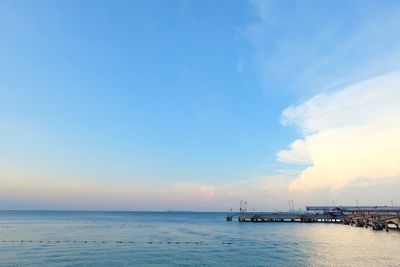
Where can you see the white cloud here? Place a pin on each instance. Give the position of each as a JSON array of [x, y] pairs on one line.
[[351, 135], [298, 153]]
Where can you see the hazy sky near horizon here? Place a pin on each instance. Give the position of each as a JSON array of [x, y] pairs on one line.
[[195, 105]]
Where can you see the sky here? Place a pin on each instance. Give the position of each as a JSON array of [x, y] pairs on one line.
[[196, 105]]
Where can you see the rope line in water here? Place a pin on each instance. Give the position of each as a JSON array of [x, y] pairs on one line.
[[116, 241]]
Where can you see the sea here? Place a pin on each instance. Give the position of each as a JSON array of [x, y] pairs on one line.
[[82, 238]]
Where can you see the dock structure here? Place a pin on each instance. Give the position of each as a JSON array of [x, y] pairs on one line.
[[376, 217], [356, 209], [288, 217]]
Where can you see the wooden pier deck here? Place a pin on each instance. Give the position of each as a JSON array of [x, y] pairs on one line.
[[378, 218], [288, 217]]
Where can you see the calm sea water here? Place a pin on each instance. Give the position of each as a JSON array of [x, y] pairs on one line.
[[57, 238]]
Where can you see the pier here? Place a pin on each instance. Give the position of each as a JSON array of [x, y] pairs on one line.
[[376, 217], [288, 217]]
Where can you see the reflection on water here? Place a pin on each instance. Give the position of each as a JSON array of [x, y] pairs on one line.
[[201, 239]]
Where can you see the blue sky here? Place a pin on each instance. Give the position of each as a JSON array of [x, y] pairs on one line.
[[173, 97]]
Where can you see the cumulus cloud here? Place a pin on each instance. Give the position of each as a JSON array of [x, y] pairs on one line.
[[349, 136]]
